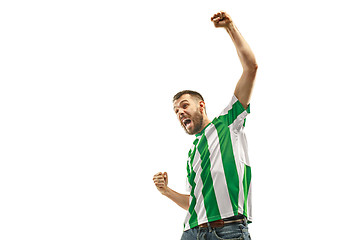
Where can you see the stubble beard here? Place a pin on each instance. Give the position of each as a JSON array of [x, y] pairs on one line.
[[197, 122]]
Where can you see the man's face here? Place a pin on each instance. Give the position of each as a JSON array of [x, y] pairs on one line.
[[188, 112]]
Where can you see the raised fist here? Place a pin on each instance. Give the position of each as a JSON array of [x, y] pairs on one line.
[[221, 19]]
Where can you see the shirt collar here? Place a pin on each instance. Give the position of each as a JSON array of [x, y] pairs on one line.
[[202, 131]]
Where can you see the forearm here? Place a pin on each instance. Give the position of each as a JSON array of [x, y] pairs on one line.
[[180, 199], [247, 57]]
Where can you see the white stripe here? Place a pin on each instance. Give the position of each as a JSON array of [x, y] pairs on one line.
[[238, 123], [241, 186], [239, 141], [217, 172], [187, 218], [199, 206], [239, 167], [244, 148]]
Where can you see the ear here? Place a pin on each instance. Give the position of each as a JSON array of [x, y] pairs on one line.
[[202, 106]]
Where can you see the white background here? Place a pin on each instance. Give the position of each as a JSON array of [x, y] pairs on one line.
[[86, 115]]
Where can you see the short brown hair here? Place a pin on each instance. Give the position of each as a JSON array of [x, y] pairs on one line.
[[190, 92]]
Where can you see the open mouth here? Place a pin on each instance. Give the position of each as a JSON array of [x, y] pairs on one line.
[[186, 122]]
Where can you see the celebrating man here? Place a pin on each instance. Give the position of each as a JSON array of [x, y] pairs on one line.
[[218, 168]]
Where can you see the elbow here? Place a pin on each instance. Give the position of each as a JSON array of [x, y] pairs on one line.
[[252, 67]]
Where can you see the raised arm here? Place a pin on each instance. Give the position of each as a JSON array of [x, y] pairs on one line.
[[245, 85]]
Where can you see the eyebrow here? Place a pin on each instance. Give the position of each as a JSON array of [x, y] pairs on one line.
[[181, 102]]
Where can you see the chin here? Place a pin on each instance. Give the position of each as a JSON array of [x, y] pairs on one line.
[[188, 132], [192, 132]]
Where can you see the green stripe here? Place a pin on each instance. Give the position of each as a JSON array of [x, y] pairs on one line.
[[194, 143], [191, 176], [248, 108], [191, 155], [246, 185], [233, 113], [229, 165], [248, 111], [208, 192]]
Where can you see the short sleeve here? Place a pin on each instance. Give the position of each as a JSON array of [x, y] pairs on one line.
[[234, 115]]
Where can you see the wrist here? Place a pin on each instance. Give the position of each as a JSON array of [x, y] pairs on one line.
[[166, 192], [230, 27]]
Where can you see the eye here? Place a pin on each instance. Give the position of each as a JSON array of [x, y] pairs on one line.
[[185, 105]]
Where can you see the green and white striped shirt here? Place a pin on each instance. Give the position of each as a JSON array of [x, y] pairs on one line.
[[218, 169]]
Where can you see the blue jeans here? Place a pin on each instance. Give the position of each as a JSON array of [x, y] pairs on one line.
[[233, 231]]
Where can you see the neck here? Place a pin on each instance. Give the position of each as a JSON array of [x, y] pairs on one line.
[[206, 122]]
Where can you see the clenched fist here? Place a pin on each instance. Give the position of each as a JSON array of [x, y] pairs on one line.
[[221, 19], [161, 181]]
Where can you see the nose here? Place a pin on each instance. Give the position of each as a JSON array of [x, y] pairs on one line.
[[180, 113]]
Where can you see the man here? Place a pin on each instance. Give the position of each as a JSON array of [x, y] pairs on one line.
[[219, 174]]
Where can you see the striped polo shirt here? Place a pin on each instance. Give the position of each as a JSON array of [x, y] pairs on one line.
[[218, 169]]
